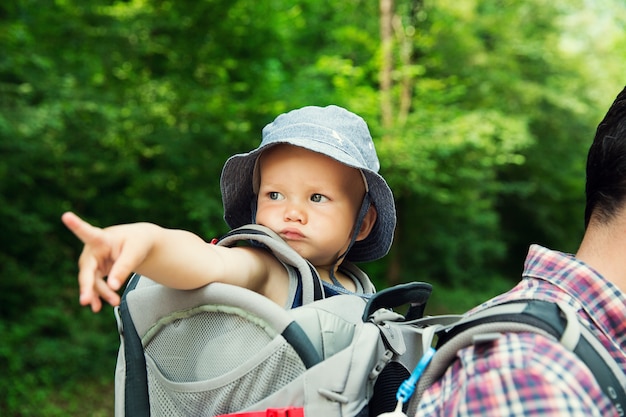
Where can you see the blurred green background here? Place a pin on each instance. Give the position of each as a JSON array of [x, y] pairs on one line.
[[482, 112]]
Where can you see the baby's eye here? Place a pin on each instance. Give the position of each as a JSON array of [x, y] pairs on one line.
[[275, 195], [318, 198]]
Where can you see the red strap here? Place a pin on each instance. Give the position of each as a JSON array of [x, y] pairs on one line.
[[270, 412]]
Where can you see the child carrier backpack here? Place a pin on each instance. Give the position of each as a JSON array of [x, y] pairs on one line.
[[225, 350]]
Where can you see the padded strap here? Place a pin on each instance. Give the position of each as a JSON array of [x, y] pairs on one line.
[[536, 316], [311, 282], [136, 399], [446, 354]]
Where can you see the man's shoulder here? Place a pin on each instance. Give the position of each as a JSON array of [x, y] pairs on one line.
[[523, 371], [526, 351]]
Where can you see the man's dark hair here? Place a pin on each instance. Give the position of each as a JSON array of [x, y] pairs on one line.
[[606, 165]]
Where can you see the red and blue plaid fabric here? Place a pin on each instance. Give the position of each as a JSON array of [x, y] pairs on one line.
[[530, 375]]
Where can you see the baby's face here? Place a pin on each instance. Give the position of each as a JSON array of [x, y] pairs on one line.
[[310, 200]]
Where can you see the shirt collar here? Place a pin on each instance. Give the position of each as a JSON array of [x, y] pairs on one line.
[[601, 299]]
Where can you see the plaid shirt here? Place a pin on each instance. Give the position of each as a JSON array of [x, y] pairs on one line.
[[530, 375]]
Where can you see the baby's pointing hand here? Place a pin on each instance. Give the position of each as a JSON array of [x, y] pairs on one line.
[[102, 256]]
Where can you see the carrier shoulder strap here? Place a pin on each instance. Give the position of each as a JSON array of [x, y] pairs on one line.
[[555, 320], [260, 235], [136, 399]]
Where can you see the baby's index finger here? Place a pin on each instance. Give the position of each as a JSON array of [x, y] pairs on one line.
[[83, 230]]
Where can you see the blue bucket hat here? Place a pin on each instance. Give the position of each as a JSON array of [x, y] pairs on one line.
[[331, 131]]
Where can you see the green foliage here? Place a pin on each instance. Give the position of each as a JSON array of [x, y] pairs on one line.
[[445, 176], [127, 110], [495, 144]]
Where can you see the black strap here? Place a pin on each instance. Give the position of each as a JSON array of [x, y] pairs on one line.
[[300, 342], [136, 398], [546, 316]]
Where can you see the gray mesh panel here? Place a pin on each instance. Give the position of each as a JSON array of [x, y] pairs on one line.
[[236, 364]]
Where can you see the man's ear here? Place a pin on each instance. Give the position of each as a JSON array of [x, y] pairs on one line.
[[368, 223]]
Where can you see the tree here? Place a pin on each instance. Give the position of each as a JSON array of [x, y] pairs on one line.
[[491, 84]]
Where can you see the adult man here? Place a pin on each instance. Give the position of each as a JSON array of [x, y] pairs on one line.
[[527, 374]]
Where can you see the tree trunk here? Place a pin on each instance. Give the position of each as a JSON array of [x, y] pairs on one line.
[[386, 68]]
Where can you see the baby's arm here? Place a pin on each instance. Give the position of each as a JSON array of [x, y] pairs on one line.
[[174, 258]]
